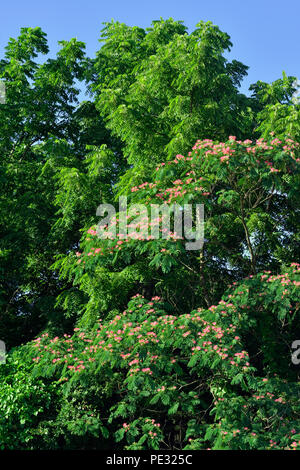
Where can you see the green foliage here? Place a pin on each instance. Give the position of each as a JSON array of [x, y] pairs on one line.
[[24, 403], [172, 348], [162, 89], [278, 107], [188, 378], [249, 191], [47, 176]]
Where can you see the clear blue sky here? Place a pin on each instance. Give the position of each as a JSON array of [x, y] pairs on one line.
[[264, 33]]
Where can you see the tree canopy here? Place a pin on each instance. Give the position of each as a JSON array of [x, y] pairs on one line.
[[135, 342]]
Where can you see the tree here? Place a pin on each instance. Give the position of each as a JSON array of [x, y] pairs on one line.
[[43, 134], [133, 340], [251, 208], [278, 107], [161, 89], [148, 379]]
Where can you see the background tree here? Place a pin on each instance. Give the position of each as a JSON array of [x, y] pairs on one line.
[[161, 88], [277, 104], [43, 133]]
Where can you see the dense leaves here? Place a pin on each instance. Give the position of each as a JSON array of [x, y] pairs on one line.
[[189, 379], [250, 195], [132, 341]]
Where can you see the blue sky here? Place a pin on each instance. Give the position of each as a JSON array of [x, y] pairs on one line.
[[264, 33]]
